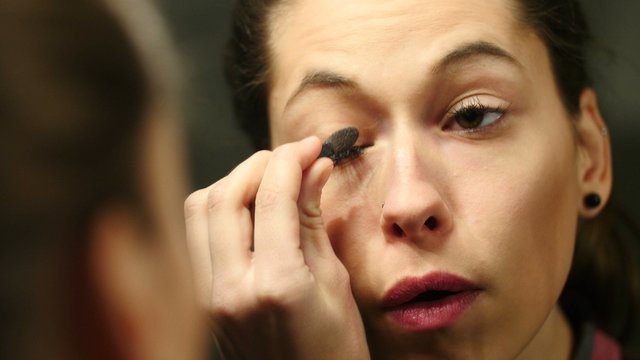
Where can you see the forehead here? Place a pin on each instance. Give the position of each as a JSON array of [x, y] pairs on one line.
[[350, 34], [390, 48], [385, 19]]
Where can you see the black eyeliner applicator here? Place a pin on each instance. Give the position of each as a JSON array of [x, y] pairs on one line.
[[340, 145]]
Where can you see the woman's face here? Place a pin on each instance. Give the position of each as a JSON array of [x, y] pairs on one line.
[[471, 167]]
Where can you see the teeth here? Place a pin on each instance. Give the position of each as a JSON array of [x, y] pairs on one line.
[[433, 295]]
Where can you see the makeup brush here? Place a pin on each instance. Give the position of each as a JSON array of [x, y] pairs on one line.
[[340, 145]]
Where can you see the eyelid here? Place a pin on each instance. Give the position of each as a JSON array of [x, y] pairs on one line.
[[485, 103], [480, 101], [355, 152]]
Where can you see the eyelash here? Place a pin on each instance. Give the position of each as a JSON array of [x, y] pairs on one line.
[[475, 107], [472, 106], [348, 155]]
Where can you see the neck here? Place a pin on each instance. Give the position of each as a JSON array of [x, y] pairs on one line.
[[553, 341]]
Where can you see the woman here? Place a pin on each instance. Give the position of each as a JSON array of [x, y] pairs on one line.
[[451, 233], [92, 186]]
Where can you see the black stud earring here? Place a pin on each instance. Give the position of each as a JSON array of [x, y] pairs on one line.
[[592, 200]]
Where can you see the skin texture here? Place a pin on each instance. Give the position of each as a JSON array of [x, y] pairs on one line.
[[290, 296], [506, 196]]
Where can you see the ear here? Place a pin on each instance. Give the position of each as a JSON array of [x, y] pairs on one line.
[[594, 151], [119, 266]]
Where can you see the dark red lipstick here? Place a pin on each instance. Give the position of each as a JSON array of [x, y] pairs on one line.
[[430, 302]]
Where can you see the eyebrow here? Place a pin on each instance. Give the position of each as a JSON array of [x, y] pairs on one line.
[[323, 79], [463, 53], [470, 50]]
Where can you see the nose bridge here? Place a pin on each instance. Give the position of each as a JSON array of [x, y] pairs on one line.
[[408, 175], [413, 204], [406, 164]]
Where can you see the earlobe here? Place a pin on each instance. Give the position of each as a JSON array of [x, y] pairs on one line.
[[594, 163]]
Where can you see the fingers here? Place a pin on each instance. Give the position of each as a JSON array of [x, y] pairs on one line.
[[262, 301], [219, 227], [229, 217], [277, 228], [221, 230], [313, 236], [195, 209], [311, 190]]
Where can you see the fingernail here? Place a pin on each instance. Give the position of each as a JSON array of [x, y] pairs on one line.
[[326, 173], [309, 139]]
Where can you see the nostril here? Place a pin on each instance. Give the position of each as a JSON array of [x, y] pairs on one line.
[[431, 223], [397, 230]]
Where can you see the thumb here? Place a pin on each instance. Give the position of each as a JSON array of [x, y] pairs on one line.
[[313, 236]]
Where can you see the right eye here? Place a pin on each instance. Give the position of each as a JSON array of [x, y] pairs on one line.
[[472, 115]]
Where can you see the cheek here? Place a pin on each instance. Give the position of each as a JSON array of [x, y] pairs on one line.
[[519, 220], [351, 212], [514, 209], [351, 203], [348, 213]]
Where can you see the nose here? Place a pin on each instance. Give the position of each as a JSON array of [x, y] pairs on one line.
[[414, 206]]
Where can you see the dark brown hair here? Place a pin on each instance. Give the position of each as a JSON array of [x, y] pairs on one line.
[[246, 61], [73, 98], [603, 264], [604, 283], [559, 23]]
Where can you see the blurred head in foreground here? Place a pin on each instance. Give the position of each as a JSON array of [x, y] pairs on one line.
[[92, 184]]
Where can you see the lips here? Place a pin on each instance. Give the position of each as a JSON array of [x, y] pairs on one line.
[[431, 302]]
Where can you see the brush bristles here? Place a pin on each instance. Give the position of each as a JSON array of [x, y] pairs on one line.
[[341, 140], [340, 145]]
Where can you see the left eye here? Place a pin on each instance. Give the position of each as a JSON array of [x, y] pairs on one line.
[[476, 116]]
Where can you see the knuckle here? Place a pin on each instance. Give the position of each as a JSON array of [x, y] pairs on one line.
[[281, 294], [262, 155], [229, 304], [268, 196], [216, 195], [311, 217], [226, 312], [272, 298], [224, 309], [195, 202]]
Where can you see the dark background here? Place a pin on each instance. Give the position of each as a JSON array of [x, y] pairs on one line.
[[216, 145]]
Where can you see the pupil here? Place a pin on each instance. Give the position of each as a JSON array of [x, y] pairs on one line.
[[470, 118]]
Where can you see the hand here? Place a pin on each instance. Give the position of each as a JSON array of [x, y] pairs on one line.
[[267, 273]]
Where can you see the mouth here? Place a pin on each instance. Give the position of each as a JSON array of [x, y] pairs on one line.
[[432, 302], [433, 295]]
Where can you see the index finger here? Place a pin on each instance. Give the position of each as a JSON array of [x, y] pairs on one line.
[[277, 222]]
